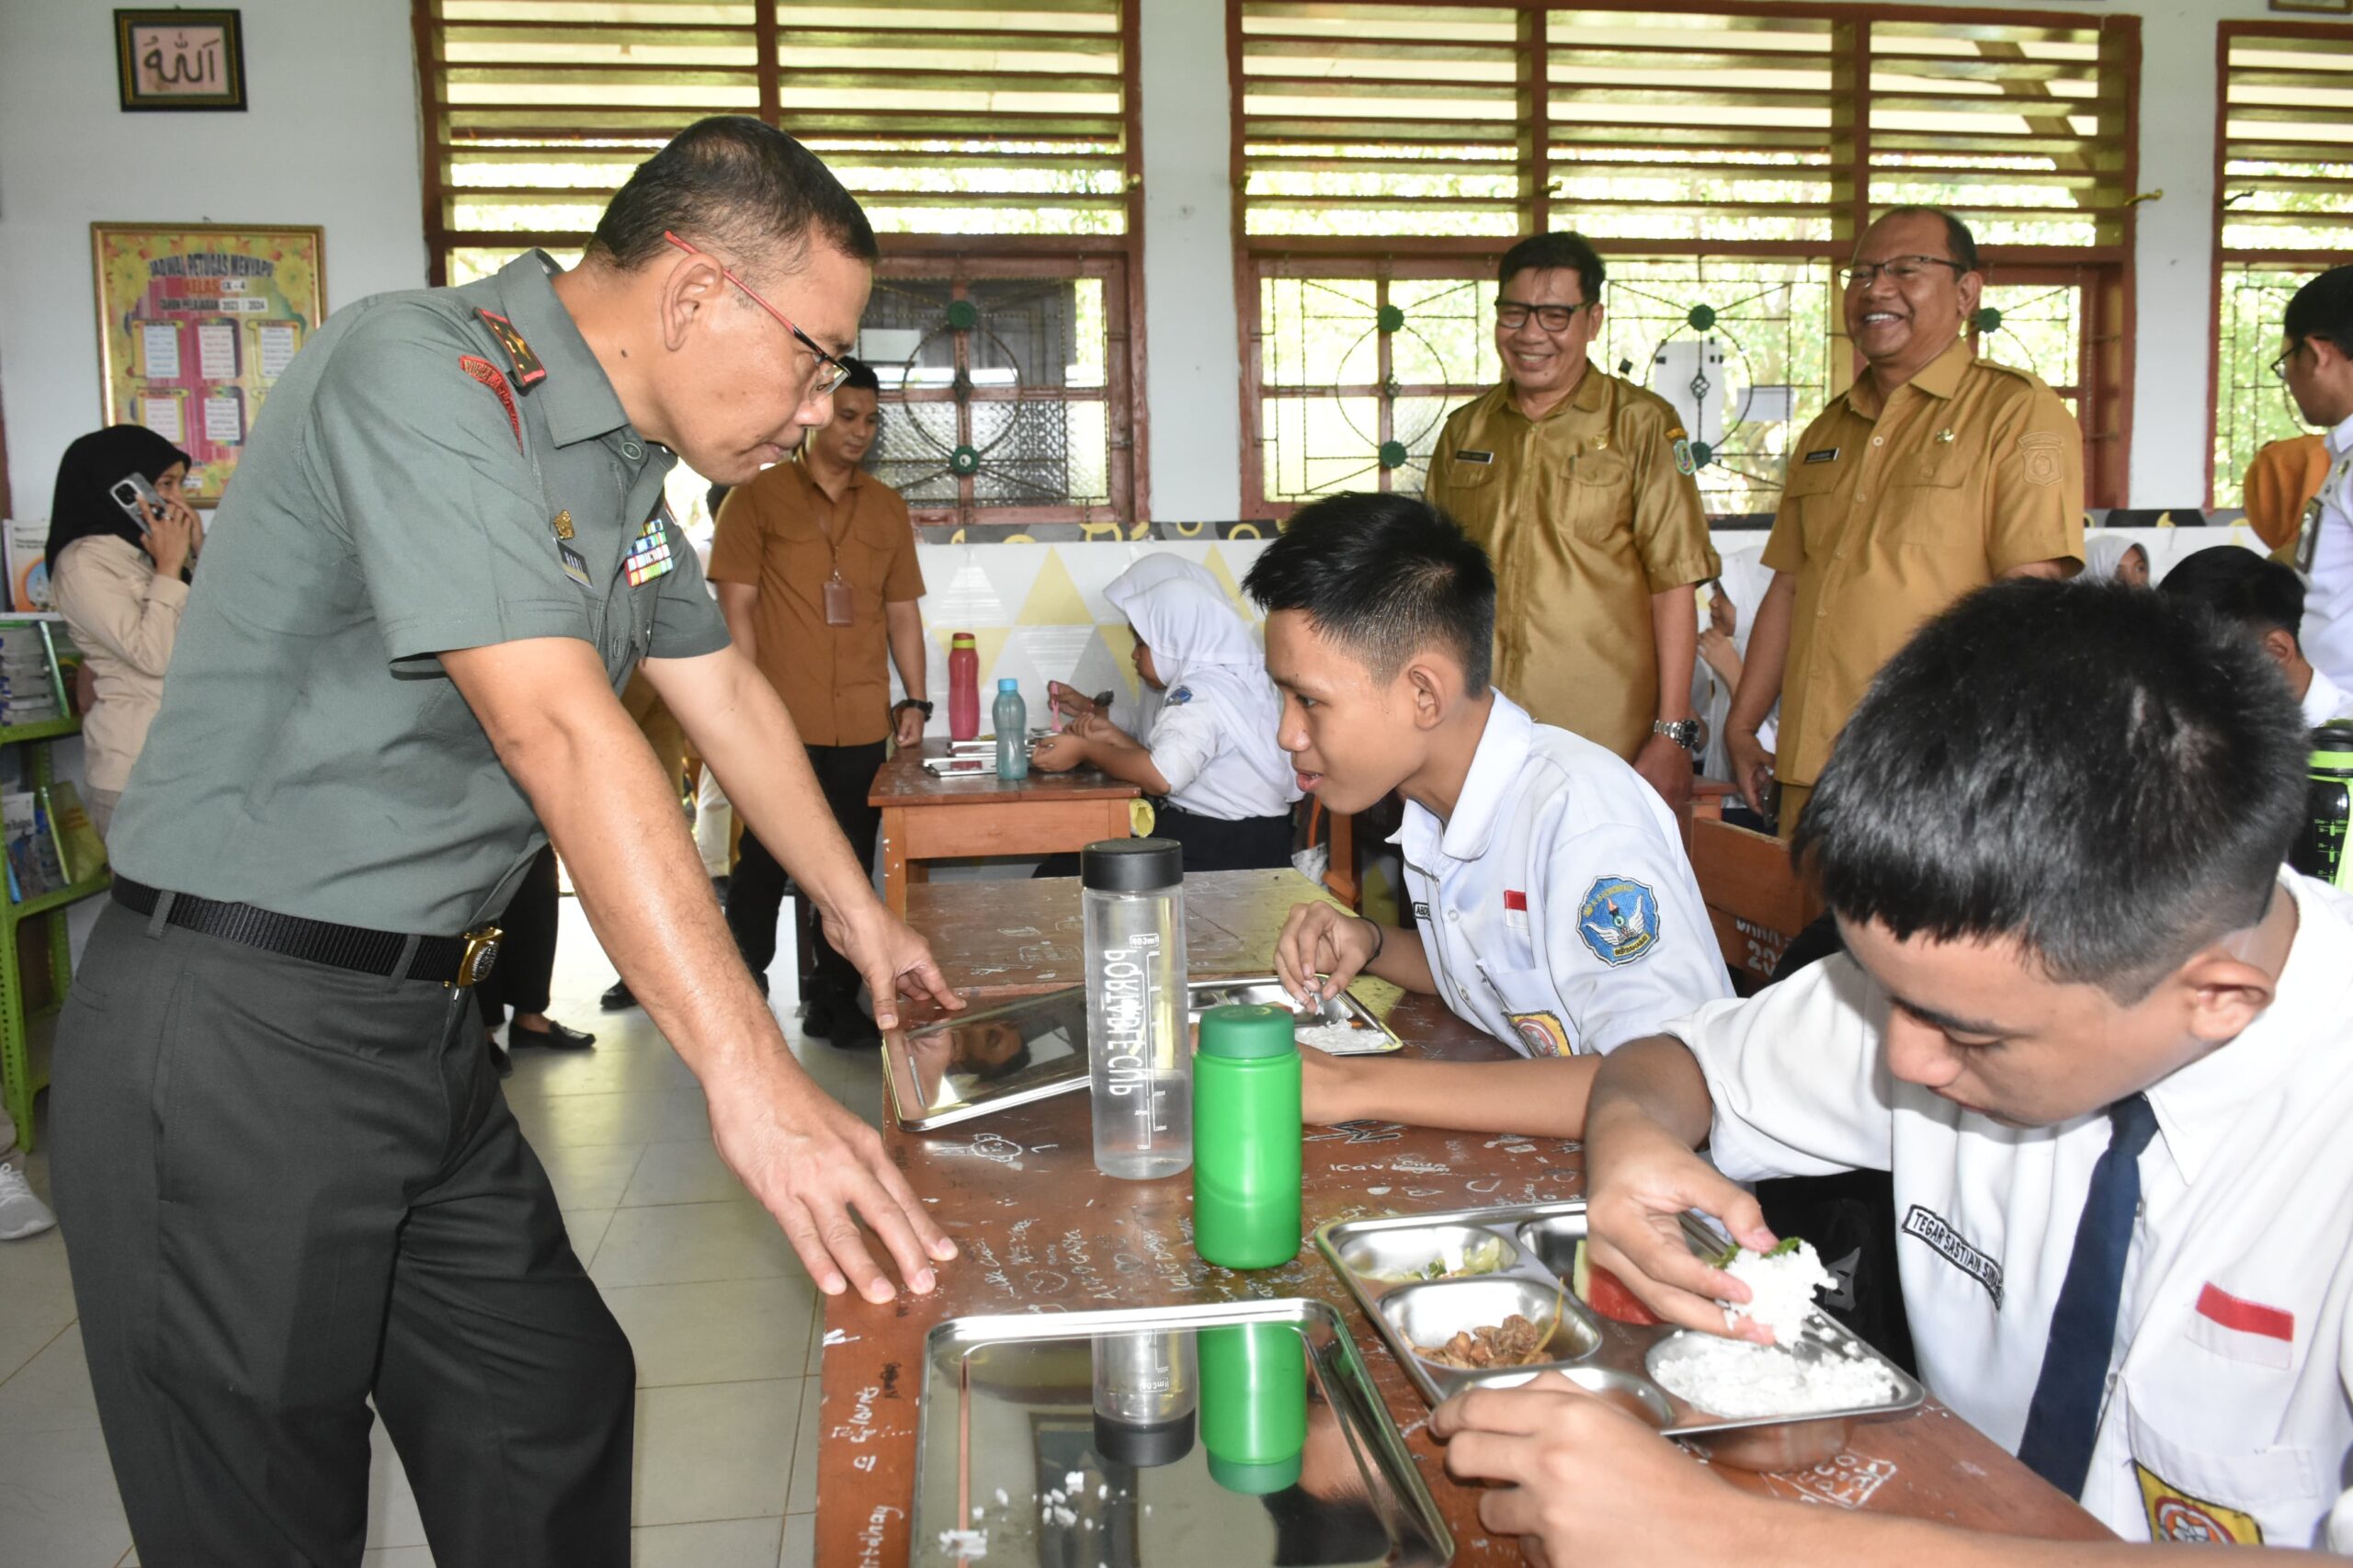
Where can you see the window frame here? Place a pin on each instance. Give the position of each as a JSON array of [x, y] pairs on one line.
[[2107, 367], [903, 253]]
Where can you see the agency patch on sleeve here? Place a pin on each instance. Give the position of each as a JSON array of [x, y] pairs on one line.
[[485, 372], [2039, 452], [1544, 1032], [1618, 920], [1179, 696], [2175, 1514], [1684, 464]]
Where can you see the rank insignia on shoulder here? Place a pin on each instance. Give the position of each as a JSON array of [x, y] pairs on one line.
[[1467, 455], [524, 364], [1823, 455], [562, 524], [1180, 696], [485, 372]]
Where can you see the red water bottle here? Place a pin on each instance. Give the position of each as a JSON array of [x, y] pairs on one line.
[[963, 687]]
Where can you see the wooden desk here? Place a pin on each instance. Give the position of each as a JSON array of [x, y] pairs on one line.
[[1040, 1227], [926, 817]]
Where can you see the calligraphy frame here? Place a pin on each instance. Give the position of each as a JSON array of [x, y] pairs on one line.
[[235, 320], [147, 97]]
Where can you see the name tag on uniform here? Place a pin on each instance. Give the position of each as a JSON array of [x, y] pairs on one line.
[[1825, 455], [575, 565], [1467, 455], [649, 553]]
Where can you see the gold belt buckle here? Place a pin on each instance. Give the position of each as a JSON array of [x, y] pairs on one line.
[[481, 954]]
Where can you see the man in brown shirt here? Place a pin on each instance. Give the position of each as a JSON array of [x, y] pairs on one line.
[[814, 562], [1936, 473], [1579, 486]]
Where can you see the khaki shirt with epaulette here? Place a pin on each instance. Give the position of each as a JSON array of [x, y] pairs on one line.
[[1971, 470], [1586, 513], [443, 469]]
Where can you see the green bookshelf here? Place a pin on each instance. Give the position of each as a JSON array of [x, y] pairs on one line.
[[20, 1080]]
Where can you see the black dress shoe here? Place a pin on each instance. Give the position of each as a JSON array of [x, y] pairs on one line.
[[555, 1037], [817, 1020], [617, 997], [856, 1031], [501, 1061]]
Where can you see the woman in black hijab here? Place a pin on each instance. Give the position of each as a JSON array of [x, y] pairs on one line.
[[120, 588]]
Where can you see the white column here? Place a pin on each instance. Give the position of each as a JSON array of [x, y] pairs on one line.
[[1192, 385]]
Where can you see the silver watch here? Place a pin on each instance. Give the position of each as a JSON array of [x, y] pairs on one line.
[[1684, 732]]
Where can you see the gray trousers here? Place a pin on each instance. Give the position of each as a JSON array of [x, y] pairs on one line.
[[286, 1189]]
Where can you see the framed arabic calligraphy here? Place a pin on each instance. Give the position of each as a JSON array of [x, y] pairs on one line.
[[180, 60], [197, 321]]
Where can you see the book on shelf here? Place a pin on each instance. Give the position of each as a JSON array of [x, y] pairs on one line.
[[80, 853], [33, 865]]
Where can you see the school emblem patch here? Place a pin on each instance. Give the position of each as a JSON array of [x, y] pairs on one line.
[[1545, 1034], [2039, 452], [1179, 696], [1618, 920], [2175, 1514]]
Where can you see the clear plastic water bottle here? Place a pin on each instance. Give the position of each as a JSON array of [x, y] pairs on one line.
[[1012, 719], [1133, 898]]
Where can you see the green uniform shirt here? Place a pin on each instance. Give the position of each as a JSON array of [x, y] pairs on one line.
[[406, 491]]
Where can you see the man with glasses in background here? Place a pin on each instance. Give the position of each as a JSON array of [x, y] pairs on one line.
[[1579, 486], [290, 1184], [1936, 473], [2316, 361]]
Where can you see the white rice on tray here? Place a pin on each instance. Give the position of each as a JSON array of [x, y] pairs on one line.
[[1741, 1381], [1341, 1038], [1781, 1289]]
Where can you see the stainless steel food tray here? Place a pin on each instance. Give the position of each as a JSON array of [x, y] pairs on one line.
[[972, 1063], [1606, 1356], [1272, 1436]]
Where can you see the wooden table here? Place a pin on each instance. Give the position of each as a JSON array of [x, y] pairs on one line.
[[926, 817], [1039, 1226]]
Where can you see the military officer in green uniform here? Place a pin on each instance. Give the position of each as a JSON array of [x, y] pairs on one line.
[[289, 1180]]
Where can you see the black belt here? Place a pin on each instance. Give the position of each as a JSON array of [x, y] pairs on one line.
[[452, 960]]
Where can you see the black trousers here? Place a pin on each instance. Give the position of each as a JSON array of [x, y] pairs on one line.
[[755, 893], [1210, 843], [526, 967], [286, 1188]]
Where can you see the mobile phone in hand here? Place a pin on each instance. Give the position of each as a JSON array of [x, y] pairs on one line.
[[135, 496]]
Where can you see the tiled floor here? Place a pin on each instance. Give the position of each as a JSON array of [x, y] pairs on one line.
[[718, 1309]]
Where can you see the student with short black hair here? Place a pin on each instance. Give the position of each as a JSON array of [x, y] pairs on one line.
[[1553, 903], [2267, 598], [2103, 1060]]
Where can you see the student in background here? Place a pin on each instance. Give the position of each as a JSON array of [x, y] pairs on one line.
[[1738, 592], [2113, 556], [1553, 903], [1211, 752], [2267, 598], [120, 588]]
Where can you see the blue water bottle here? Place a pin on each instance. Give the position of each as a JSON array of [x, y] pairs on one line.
[[1012, 716]]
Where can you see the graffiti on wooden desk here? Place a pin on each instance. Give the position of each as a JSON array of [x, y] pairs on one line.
[[889, 1379], [993, 1146], [1359, 1132], [1849, 1480], [869, 1539], [840, 1337], [1019, 931]]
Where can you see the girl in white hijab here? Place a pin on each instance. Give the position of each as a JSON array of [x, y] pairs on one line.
[[2108, 555], [1210, 752]]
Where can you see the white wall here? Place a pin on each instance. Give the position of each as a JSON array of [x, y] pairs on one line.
[[330, 137]]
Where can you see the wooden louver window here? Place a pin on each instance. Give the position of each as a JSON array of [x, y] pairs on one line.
[[968, 116]]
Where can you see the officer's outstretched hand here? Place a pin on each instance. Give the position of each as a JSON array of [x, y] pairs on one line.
[[890, 957], [820, 1170], [1321, 939]]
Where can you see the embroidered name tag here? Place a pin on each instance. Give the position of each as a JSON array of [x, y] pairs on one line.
[[1467, 455], [1938, 1233], [1825, 455]]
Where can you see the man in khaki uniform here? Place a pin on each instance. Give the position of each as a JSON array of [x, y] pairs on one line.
[[1578, 485], [1936, 473]]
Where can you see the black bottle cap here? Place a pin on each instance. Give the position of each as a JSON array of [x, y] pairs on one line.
[[1131, 865], [1143, 1446]]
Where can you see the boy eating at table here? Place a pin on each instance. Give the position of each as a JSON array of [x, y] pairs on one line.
[[2099, 1036], [1553, 905]]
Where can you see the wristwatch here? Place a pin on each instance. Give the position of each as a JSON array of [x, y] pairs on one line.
[[1684, 732], [912, 702]]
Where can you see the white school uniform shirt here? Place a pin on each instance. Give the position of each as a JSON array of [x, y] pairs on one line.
[[2327, 631], [2323, 701], [2228, 1413], [1556, 904], [1213, 738]]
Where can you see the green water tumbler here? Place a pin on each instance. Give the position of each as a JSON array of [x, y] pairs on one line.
[[1246, 1138], [1254, 1405]]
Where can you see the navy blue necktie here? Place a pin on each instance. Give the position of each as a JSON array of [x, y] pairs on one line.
[[2064, 1417]]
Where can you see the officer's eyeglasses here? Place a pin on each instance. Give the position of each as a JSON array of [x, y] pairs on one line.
[[831, 371], [1512, 315], [1904, 269], [2279, 366]]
